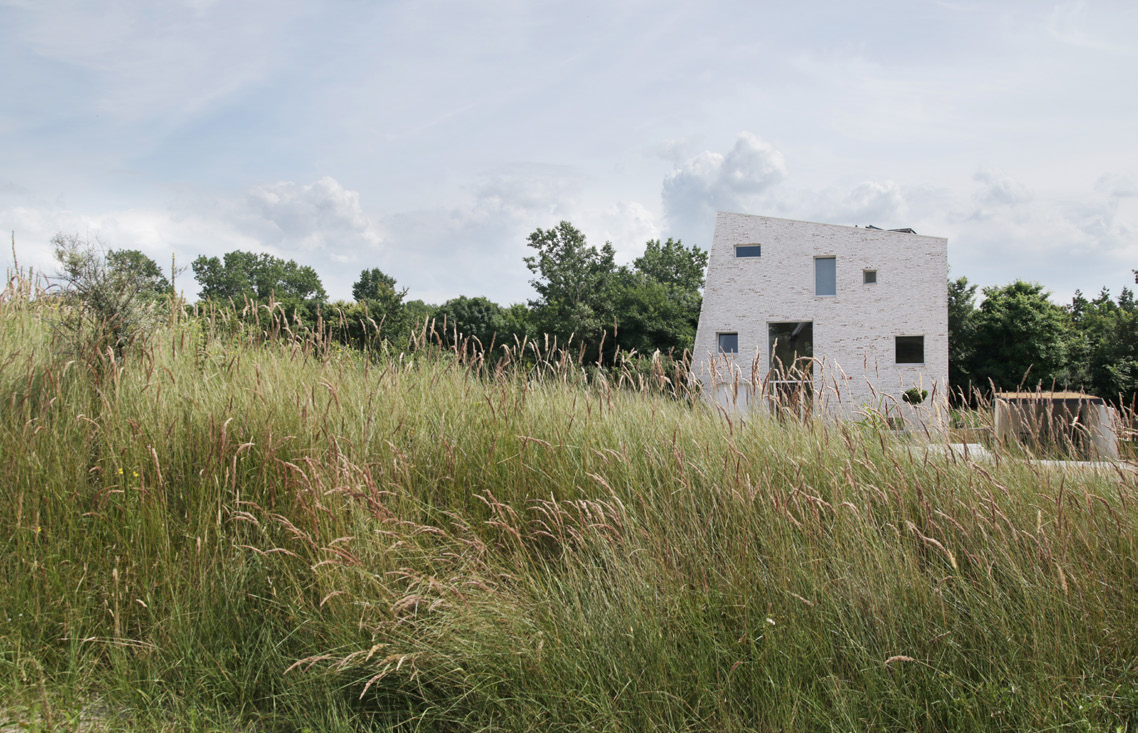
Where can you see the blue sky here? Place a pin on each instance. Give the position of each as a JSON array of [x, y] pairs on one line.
[[429, 138]]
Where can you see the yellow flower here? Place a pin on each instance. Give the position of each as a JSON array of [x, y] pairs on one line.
[[134, 473], [120, 472]]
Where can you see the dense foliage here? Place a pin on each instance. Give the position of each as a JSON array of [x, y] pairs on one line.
[[1018, 338], [254, 276]]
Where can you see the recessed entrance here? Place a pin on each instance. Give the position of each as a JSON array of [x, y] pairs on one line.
[[790, 383]]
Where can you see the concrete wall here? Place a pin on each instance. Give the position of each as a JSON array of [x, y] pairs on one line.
[[853, 331], [1088, 427]]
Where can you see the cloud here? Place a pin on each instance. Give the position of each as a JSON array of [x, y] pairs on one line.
[[471, 247], [628, 225], [527, 190], [710, 182], [1117, 186], [476, 246], [1001, 232], [322, 215], [867, 202], [998, 190], [321, 224]]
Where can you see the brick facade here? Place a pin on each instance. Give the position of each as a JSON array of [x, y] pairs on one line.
[[854, 330]]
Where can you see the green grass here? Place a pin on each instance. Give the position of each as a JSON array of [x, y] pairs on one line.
[[224, 532]]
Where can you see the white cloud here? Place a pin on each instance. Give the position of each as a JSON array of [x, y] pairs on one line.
[[1000, 232], [710, 182], [322, 215], [867, 202], [476, 247], [321, 224], [1117, 186], [628, 225], [998, 190]]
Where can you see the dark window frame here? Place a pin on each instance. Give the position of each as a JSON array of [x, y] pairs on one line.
[[749, 251], [719, 342], [911, 343]]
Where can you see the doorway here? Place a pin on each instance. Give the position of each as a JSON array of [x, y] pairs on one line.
[[790, 384]]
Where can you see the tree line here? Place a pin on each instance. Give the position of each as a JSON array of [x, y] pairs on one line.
[[586, 302], [1015, 338]]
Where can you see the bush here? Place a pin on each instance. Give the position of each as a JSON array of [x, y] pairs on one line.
[[915, 396], [104, 311]]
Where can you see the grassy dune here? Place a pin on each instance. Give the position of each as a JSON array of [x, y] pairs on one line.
[[224, 531]]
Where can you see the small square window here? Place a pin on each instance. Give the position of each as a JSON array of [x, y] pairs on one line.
[[748, 250], [869, 277], [825, 276], [910, 349], [728, 343]]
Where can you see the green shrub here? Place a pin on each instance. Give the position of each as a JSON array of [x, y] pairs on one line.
[[915, 395], [104, 311]]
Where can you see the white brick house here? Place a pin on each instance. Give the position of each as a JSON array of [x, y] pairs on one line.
[[823, 317]]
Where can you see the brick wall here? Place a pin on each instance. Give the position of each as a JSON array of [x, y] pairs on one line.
[[853, 331]]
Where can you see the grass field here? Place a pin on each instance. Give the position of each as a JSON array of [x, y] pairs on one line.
[[220, 531]]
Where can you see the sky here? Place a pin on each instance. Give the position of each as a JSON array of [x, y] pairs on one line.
[[429, 138]]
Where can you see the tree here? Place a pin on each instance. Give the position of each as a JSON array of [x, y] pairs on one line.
[[961, 333], [651, 316], [133, 264], [256, 276], [574, 283], [517, 322], [384, 304], [658, 300], [372, 285], [1020, 337], [1103, 347], [106, 312], [478, 318], [418, 312], [673, 264]]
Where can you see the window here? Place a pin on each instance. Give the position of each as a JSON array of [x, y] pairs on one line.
[[910, 349], [728, 343], [869, 277], [748, 250], [825, 276]]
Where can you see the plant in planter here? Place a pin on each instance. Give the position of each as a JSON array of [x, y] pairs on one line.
[[915, 395]]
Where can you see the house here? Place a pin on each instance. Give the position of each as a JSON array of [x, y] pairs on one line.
[[818, 317]]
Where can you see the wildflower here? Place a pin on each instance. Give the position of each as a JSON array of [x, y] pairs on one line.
[[134, 473], [770, 620], [120, 472]]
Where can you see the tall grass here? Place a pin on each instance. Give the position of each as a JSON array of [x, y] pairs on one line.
[[246, 525]]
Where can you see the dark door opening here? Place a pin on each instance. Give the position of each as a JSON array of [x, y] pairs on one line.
[[790, 383]]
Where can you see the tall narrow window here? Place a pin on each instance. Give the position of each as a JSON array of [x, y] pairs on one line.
[[728, 343], [910, 349], [825, 276]]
